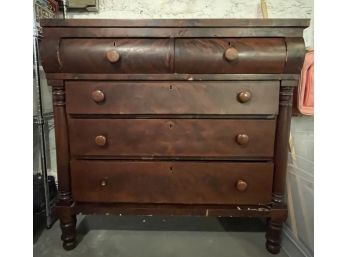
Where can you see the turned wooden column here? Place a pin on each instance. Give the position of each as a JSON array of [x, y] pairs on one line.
[[280, 166], [63, 210]]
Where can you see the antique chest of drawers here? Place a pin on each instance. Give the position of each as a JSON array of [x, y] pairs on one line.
[[172, 117]]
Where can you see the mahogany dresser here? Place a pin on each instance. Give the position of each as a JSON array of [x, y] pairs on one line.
[[173, 117]]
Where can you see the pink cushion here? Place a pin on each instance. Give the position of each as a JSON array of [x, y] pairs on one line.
[[305, 97]]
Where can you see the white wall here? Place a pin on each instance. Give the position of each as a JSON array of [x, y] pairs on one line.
[[147, 9]]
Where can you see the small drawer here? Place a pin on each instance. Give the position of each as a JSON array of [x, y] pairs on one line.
[[230, 55], [172, 137], [116, 55], [207, 98], [171, 182]]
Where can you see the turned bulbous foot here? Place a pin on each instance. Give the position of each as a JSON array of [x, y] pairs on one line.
[[68, 227], [273, 248], [69, 245], [273, 236]]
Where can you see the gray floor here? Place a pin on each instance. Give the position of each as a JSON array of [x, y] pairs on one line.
[[102, 236]]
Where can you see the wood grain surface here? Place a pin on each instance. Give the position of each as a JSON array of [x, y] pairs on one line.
[[255, 55], [171, 182], [172, 137], [135, 55], [131, 97]]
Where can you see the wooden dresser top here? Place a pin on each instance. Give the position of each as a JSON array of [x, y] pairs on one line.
[[301, 23]]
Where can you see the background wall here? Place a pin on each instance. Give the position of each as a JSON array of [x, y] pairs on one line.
[[146, 9], [298, 234]]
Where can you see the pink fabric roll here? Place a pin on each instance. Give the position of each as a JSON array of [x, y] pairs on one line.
[[305, 96]]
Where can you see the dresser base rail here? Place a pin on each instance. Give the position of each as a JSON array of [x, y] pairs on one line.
[[275, 216]]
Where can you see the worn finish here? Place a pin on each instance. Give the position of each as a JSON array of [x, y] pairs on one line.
[[252, 97], [172, 117]]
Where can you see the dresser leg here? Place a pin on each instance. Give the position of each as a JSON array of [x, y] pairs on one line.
[[273, 236], [68, 226]]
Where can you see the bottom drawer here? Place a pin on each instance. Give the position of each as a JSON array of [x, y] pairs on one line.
[[171, 182]]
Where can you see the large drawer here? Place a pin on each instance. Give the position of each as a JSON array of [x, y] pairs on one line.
[[230, 55], [171, 182], [116, 55], [233, 97], [172, 137]]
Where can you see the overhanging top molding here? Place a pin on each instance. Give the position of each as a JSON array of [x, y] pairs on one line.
[[178, 23]]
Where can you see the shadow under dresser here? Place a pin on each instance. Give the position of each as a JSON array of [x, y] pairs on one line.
[[172, 117]]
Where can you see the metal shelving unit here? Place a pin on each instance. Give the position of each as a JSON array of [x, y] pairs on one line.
[[42, 119]]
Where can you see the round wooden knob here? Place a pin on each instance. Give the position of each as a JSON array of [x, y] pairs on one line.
[[100, 140], [241, 185], [242, 139], [103, 183], [98, 96], [244, 96], [112, 56], [231, 54]]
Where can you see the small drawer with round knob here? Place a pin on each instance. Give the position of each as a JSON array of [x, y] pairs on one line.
[[230, 55], [104, 182], [242, 139], [98, 96], [244, 96], [116, 55], [112, 56], [100, 140], [241, 185]]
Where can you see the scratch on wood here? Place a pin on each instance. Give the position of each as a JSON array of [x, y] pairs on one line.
[[258, 209]]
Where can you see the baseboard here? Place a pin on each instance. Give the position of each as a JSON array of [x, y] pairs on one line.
[[291, 246]]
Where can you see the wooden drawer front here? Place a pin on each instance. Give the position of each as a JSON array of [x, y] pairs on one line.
[[250, 55], [171, 182], [172, 97], [135, 55], [171, 137]]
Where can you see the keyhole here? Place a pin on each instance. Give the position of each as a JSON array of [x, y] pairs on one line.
[[229, 43], [171, 169], [114, 43], [170, 87], [170, 125]]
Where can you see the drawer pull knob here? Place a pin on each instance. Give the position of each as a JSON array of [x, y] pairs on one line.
[[231, 54], [242, 139], [244, 96], [241, 185], [98, 96], [100, 140], [104, 183], [113, 56]]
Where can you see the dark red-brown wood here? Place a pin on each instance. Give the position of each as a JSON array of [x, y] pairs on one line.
[[255, 55], [171, 182], [135, 55], [67, 220], [172, 117], [172, 97], [171, 137]]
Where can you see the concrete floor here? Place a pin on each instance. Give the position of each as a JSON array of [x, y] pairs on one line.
[[138, 236]]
